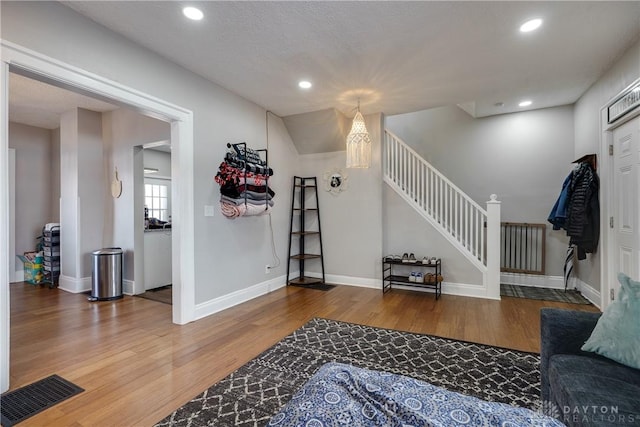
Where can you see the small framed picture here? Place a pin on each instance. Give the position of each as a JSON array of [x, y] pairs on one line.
[[335, 181]]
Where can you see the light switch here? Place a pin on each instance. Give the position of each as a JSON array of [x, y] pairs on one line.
[[208, 210]]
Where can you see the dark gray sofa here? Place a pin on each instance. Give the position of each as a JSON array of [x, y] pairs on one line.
[[584, 389]]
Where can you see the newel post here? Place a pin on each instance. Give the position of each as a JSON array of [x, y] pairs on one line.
[[492, 276]]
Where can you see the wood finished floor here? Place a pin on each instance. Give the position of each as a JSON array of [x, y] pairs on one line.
[[137, 367]]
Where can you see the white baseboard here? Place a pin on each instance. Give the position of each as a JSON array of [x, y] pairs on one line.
[[127, 286], [535, 280], [73, 285], [458, 289], [238, 297], [586, 290], [337, 279]]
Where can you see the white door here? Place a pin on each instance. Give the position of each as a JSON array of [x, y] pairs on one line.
[[626, 205]]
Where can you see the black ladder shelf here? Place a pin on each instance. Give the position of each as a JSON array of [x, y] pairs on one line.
[[304, 236]]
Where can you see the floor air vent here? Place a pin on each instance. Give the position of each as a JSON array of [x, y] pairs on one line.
[[25, 402]]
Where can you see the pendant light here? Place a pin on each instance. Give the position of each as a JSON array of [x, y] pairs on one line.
[[358, 143]]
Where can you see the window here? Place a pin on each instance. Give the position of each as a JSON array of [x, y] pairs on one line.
[[156, 201]]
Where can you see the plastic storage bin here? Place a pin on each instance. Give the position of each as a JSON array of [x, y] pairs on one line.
[[106, 274], [32, 268]]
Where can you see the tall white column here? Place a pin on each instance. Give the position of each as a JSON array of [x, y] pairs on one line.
[[492, 276], [82, 187]]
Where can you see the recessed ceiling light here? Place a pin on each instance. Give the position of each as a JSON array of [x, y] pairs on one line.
[[193, 13], [532, 24], [304, 84], [525, 103]]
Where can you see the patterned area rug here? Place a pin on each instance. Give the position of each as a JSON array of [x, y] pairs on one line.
[[255, 392], [546, 294]]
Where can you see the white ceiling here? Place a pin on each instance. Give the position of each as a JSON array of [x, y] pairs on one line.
[[396, 56], [39, 104]]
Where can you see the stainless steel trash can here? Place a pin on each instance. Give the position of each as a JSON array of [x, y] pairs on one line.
[[106, 274]]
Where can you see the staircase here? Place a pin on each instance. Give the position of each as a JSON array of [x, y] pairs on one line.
[[471, 229]]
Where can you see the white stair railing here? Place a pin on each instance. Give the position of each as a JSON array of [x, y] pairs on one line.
[[458, 218]]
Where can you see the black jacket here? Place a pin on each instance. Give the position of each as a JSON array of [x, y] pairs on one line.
[[583, 212]]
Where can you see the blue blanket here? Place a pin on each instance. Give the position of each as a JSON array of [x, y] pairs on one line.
[[343, 395]]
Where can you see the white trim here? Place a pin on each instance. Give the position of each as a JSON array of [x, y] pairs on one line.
[[4, 227], [238, 297], [458, 289], [605, 166], [466, 290], [336, 279], [535, 280], [127, 287], [587, 291], [12, 216], [50, 69], [74, 285]]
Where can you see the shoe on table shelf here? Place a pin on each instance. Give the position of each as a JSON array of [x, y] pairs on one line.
[[412, 258], [419, 278], [412, 276], [429, 278], [405, 257], [434, 260], [440, 278], [425, 260], [397, 258]]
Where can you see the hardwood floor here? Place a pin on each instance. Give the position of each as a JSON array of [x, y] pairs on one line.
[[137, 367]]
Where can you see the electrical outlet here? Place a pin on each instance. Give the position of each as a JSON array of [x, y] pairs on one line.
[[267, 269]]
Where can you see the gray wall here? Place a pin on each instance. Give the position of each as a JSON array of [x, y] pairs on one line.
[[159, 160], [55, 175], [587, 134], [230, 255], [33, 207], [123, 129], [352, 219], [521, 157]]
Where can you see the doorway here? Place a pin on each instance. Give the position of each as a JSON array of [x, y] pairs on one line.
[[34, 65], [621, 219]]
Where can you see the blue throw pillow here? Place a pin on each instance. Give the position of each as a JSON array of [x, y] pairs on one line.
[[617, 334]]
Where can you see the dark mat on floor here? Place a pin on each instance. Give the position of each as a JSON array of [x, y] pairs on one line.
[[25, 402], [546, 294], [163, 294], [317, 286]]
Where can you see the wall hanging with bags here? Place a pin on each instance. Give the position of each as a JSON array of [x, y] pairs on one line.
[[244, 182]]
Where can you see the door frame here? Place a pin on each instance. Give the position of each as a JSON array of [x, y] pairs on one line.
[[16, 58], [608, 274]]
